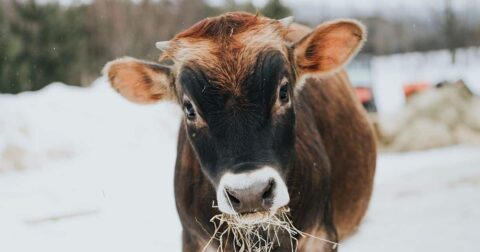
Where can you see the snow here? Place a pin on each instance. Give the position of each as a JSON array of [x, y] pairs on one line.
[[95, 173], [425, 201], [117, 178]]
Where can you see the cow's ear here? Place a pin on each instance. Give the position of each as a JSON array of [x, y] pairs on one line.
[[140, 81], [328, 47]]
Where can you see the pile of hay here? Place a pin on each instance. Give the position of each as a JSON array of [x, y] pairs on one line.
[[439, 117]]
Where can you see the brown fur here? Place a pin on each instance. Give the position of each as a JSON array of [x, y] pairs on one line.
[[349, 143], [349, 209], [217, 28]]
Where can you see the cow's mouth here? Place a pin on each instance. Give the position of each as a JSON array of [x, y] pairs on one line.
[[255, 218], [258, 218]]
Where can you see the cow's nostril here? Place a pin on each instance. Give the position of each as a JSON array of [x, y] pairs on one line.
[[231, 198], [268, 193]]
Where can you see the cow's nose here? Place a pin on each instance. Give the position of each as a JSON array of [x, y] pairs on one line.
[[253, 191], [255, 198]]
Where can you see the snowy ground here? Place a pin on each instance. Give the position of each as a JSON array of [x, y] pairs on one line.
[[84, 170]]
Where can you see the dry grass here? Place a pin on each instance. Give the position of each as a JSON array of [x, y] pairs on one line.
[[258, 232]]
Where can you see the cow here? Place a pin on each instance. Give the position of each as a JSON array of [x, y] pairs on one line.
[[270, 121]]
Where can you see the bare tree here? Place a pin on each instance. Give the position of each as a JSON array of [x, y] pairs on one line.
[[450, 26]]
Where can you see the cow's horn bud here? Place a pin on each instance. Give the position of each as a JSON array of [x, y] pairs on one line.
[[287, 21], [162, 45]]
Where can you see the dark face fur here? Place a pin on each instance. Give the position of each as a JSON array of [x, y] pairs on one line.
[[240, 133], [244, 132]]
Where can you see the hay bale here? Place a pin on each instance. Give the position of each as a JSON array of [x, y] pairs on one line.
[[466, 135], [472, 115], [422, 133]]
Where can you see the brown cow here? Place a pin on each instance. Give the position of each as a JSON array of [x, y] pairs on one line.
[[270, 121]]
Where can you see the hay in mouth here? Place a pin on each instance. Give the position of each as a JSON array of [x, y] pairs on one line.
[[255, 232]]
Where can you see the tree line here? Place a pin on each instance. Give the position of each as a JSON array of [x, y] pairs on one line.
[[48, 42]]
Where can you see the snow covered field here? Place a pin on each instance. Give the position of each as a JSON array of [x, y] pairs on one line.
[[83, 170]]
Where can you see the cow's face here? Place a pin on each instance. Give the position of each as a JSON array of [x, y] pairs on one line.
[[235, 77]]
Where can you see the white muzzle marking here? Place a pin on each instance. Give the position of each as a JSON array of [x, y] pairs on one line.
[[246, 180]]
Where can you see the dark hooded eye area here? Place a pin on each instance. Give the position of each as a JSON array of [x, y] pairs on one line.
[[283, 92], [189, 110], [220, 104]]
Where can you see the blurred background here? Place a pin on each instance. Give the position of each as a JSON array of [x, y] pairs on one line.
[[80, 168]]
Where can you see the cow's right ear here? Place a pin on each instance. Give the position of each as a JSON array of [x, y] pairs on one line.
[[140, 81]]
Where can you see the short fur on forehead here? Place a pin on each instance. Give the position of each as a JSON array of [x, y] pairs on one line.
[[227, 46]]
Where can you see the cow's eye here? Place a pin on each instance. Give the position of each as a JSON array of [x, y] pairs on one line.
[[189, 110], [283, 92]]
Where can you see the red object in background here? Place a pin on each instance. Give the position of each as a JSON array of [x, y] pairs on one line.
[[366, 98], [415, 87], [364, 94]]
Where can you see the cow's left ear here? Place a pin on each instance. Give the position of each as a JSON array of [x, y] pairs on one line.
[[140, 81], [329, 47]]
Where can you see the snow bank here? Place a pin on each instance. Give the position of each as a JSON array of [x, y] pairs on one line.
[[108, 186], [100, 165]]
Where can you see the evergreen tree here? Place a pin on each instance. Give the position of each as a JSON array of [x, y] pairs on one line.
[[275, 9], [45, 43]]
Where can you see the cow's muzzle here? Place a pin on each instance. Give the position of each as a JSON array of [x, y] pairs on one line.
[[261, 190]]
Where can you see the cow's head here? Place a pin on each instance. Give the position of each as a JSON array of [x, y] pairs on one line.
[[235, 77]]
